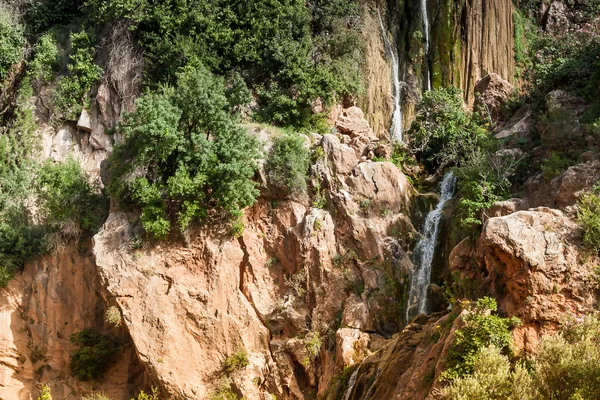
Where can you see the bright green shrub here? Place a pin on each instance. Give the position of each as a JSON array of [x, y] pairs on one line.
[[555, 164], [288, 163], [565, 366], [94, 355], [444, 133], [46, 58], [492, 379], [83, 73], [66, 194], [147, 396], [12, 39], [45, 393], [482, 329], [95, 396], [589, 218], [236, 361], [184, 155]]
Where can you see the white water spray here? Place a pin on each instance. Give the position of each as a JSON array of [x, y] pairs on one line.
[[424, 251], [426, 28], [396, 128]]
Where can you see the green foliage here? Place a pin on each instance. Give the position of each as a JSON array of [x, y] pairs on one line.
[[564, 366], [46, 58], [66, 194], [45, 393], [42, 14], [491, 379], [94, 355], [236, 361], [12, 39], [223, 391], [555, 164], [589, 218], [443, 132], [144, 396], [184, 155], [524, 34], [293, 52], [19, 238], [83, 73], [481, 329], [483, 180], [288, 162], [313, 343]]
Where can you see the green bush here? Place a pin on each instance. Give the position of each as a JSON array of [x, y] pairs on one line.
[[236, 361], [42, 14], [565, 366], [589, 218], [288, 163], [93, 357], [184, 154], [444, 133], [482, 329], [45, 393], [12, 39], [148, 396], [46, 58], [83, 73], [555, 164], [292, 52], [66, 194]]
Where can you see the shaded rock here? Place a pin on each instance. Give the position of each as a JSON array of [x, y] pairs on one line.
[[491, 93], [356, 315], [519, 125]]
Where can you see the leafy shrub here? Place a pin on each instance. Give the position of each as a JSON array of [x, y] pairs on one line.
[[555, 164], [46, 58], [443, 132], [481, 329], [236, 361], [42, 14], [144, 396], [45, 393], [223, 391], [66, 194], [288, 162], [293, 52], [113, 316], [12, 39], [184, 155], [94, 355], [565, 366], [491, 379], [589, 218], [83, 73]]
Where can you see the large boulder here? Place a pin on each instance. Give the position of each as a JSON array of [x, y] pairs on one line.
[[491, 93]]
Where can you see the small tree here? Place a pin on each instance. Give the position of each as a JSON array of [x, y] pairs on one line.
[[288, 163]]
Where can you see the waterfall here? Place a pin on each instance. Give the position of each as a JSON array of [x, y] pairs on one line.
[[426, 28], [396, 128], [424, 251]]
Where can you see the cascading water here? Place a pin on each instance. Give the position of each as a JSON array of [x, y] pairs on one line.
[[426, 29], [424, 251], [396, 129]]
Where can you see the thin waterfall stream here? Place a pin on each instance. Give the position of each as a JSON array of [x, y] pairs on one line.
[[426, 29], [425, 249], [396, 128]]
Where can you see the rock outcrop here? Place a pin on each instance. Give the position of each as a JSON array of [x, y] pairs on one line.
[[491, 94]]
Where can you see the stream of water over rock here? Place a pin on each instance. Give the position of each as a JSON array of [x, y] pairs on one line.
[[425, 249]]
